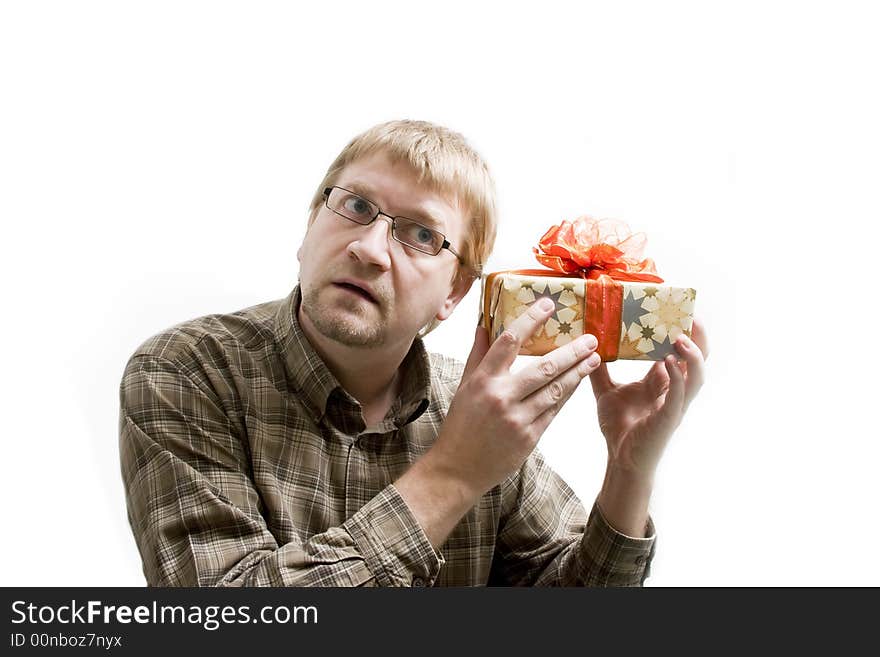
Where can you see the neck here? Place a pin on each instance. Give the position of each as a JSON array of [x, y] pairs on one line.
[[370, 375]]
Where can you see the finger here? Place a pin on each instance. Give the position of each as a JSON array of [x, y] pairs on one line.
[[506, 346], [673, 405], [698, 335], [695, 367], [681, 363], [539, 426], [656, 381], [601, 381], [478, 351], [557, 391], [540, 373]]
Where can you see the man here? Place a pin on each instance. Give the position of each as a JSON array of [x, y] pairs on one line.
[[314, 441]]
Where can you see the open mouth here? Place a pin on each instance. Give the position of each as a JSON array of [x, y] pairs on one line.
[[356, 290]]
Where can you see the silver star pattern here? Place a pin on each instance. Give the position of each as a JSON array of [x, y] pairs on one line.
[[545, 293]]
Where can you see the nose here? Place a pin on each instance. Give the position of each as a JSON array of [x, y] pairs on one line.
[[372, 244]]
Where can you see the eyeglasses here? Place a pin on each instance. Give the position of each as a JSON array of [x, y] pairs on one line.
[[361, 211]]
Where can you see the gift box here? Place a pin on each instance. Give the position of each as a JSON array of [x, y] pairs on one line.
[[600, 284]]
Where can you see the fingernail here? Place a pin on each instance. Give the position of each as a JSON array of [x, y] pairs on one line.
[[590, 340], [594, 360], [546, 304]]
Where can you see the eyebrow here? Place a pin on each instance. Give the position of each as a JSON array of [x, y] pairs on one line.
[[419, 215]]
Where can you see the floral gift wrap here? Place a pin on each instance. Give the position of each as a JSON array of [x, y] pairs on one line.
[[601, 285]]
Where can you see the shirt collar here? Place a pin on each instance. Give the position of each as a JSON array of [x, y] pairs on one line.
[[307, 372]]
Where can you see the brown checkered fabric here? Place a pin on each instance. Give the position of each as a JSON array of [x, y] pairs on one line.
[[245, 463]]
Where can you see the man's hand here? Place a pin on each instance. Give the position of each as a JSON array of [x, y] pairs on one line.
[[493, 422], [637, 419], [496, 418]]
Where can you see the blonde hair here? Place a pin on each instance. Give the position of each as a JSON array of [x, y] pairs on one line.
[[442, 160]]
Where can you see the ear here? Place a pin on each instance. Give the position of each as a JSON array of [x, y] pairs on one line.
[[309, 225], [460, 288]]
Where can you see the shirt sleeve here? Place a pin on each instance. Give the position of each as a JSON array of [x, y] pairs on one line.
[[195, 510], [546, 537]]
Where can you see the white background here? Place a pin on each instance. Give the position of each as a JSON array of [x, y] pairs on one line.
[[157, 160]]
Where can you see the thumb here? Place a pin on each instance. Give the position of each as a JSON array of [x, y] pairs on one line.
[[601, 380], [481, 346]]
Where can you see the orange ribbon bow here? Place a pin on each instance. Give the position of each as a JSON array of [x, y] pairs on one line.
[[594, 247]]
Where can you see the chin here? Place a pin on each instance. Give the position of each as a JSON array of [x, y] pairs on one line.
[[346, 324], [351, 334]]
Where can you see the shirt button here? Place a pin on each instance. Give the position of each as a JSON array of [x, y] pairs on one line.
[[640, 559], [418, 581]]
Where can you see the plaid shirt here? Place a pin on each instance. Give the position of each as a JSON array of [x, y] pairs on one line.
[[246, 463]]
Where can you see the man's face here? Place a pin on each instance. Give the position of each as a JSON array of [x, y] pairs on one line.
[[406, 288]]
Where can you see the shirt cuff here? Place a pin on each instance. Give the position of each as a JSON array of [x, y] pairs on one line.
[[392, 542], [612, 558]]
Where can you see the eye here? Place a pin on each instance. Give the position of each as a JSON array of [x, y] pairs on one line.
[[423, 235], [418, 235], [357, 206]]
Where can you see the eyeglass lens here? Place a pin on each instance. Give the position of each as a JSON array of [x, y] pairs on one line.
[[361, 211]]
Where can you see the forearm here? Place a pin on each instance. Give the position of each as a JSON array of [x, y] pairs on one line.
[[624, 500], [435, 497], [548, 539], [380, 545], [214, 544]]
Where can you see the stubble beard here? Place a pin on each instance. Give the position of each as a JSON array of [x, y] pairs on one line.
[[343, 326]]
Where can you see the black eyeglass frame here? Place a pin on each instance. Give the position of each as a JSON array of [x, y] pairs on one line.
[[445, 245]]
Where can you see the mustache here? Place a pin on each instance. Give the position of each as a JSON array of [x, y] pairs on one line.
[[380, 291]]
